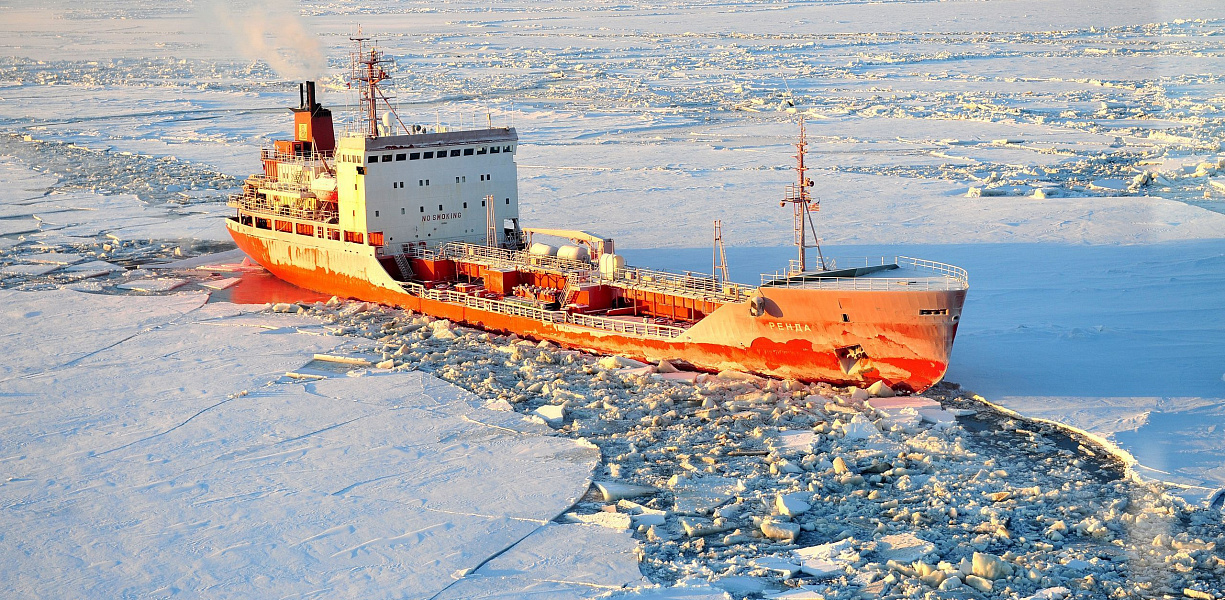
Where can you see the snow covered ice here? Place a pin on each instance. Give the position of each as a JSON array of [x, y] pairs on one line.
[[159, 439]]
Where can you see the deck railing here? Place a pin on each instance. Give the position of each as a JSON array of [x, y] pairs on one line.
[[253, 204], [931, 276], [643, 329], [517, 258], [694, 285]]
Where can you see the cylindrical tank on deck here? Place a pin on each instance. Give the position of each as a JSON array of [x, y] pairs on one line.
[[610, 264], [573, 253], [539, 249]]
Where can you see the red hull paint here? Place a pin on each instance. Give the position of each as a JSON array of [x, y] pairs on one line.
[[795, 339]]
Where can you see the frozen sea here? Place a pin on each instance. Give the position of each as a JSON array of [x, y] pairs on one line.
[[1067, 154]]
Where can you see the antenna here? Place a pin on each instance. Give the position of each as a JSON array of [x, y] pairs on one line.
[[800, 198], [366, 72], [718, 257]]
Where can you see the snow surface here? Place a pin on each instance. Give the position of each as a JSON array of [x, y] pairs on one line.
[[159, 449]]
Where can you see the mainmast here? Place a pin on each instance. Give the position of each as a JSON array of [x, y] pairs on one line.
[[366, 71], [801, 201]]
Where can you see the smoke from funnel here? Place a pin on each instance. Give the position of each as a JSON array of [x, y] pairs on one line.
[[272, 31]]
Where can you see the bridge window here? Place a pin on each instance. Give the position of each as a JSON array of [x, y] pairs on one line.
[[386, 158], [455, 152], [428, 155], [373, 159], [400, 157], [468, 151], [414, 156], [493, 150], [355, 237], [507, 148], [481, 150]]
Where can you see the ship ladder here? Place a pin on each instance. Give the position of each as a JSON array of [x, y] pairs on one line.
[[406, 269]]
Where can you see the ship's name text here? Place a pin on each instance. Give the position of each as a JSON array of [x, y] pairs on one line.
[[789, 326]]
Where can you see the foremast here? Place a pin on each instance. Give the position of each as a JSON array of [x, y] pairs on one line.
[[800, 199]]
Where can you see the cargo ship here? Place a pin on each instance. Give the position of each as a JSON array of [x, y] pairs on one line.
[[427, 218]]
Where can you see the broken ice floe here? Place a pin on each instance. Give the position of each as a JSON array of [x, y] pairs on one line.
[[907, 494]]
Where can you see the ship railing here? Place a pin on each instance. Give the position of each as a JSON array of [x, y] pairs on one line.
[[252, 204], [695, 285], [314, 160], [281, 185], [641, 329], [930, 276], [514, 258]]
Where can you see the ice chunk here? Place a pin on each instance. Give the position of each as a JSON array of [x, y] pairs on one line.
[[827, 560], [794, 441], [553, 414], [220, 284], [741, 585], [880, 389], [786, 568], [152, 285], [979, 583], [990, 566], [700, 494], [791, 505], [619, 362], [29, 270], [52, 258], [903, 547], [804, 592], [860, 428], [613, 491], [612, 520], [698, 527], [781, 531], [1051, 593], [1075, 564]]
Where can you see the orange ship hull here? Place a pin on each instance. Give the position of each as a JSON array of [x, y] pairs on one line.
[[801, 334]]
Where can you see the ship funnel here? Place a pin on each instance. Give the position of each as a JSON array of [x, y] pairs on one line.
[[313, 123], [310, 97]]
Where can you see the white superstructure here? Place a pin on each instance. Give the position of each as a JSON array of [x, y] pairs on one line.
[[428, 188]]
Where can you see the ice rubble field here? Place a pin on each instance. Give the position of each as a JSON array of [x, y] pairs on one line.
[[1068, 154]]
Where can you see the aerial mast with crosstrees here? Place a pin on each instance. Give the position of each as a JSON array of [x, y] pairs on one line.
[[800, 198], [366, 71]]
